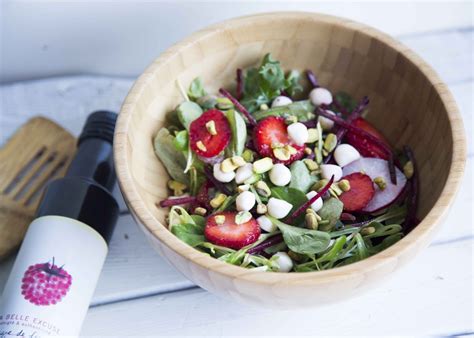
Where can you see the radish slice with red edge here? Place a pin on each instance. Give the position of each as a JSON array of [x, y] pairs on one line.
[[377, 167]]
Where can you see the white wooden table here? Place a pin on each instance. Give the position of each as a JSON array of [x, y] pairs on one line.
[[140, 294]]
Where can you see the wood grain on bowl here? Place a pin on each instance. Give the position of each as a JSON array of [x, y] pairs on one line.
[[409, 103]]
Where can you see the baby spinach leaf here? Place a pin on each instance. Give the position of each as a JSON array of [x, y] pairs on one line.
[[187, 112], [174, 161], [292, 83], [199, 220], [303, 110], [239, 132], [196, 89], [303, 241], [192, 234], [331, 210], [181, 140], [301, 178], [293, 196]]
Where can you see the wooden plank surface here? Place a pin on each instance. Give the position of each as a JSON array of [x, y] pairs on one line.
[[144, 292]]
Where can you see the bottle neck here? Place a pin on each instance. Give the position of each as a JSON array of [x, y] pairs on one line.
[[94, 161]]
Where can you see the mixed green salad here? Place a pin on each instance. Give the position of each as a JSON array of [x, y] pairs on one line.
[[283, 175]]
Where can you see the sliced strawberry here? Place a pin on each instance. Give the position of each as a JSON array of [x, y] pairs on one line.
[[364, 146], [272, 131], [202, 141], [359, 195], [230, 234]]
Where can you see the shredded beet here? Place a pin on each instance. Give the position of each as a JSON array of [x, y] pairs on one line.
[[339, 107], [310, 123], [306, 205], [240, 84], [169, 202], [239, 106], [284, 93], [412, 203], [345, 216], [274, 240], [342, 131], [391, 169], [218, 185], [312, 78]]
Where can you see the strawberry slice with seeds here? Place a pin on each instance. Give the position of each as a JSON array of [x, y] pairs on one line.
[[365, 146], [222, 229], [271, 132], [360, 194], [210, 133]]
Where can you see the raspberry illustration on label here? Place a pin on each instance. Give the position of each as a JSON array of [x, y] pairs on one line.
[[45, 283]]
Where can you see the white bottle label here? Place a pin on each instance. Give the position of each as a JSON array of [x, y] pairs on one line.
[[53, 279]]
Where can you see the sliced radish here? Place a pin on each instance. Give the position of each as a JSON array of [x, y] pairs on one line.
[[377, 167]]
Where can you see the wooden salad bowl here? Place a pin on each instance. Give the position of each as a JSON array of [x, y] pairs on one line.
[[408, 102]]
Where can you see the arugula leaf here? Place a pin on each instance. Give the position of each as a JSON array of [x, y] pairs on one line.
[[187, 112], [333, 253], [303, 110], [301, 240], [239, 132], [301, 178], [174, 161], [196, 89], [292, 83], [331, 210], [293, 196], [215, 250]]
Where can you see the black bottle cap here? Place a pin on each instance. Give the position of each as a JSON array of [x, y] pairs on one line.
[[84, 193]]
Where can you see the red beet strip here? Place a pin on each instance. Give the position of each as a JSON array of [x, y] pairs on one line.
[[312, 78], [218, 185], [274, 240], [239, 106], [240, 84], [339, 107], [342, 131], [169, 202], [306, 205], [345, 216], [365, 134], [412, 205]]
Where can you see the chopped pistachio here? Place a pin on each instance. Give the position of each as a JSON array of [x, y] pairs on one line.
[[277, 145], [335, 188], [344, 185], [282, 154], [380, 183], [320, 184], [223, 103], [325, 152], [264, 106], [311, 164], [291, 119], [308, 151], [262, 165], [200, 211], [330, 142], [310, 211], [238, 161], [333, 193], [243, 187], [220, 219], [261, 209], [367, 231], [201, 146], [243, 217], [312, 135], [211, 127], [291, 149], [247, 155], [408, 169], [218, 200], [227, 165], [315, 172], [177, 187], [311, 221], [263, 189]]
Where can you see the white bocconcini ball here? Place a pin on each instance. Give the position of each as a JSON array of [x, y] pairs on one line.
[[222, 176], [298, 133], [265, 224], [345, 154], [285, 264], [243, 173], [245, 201], [326, 123], [280, 175], [328, 170], [316, 205], [319, 96], [280, 101], [278, 208]]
